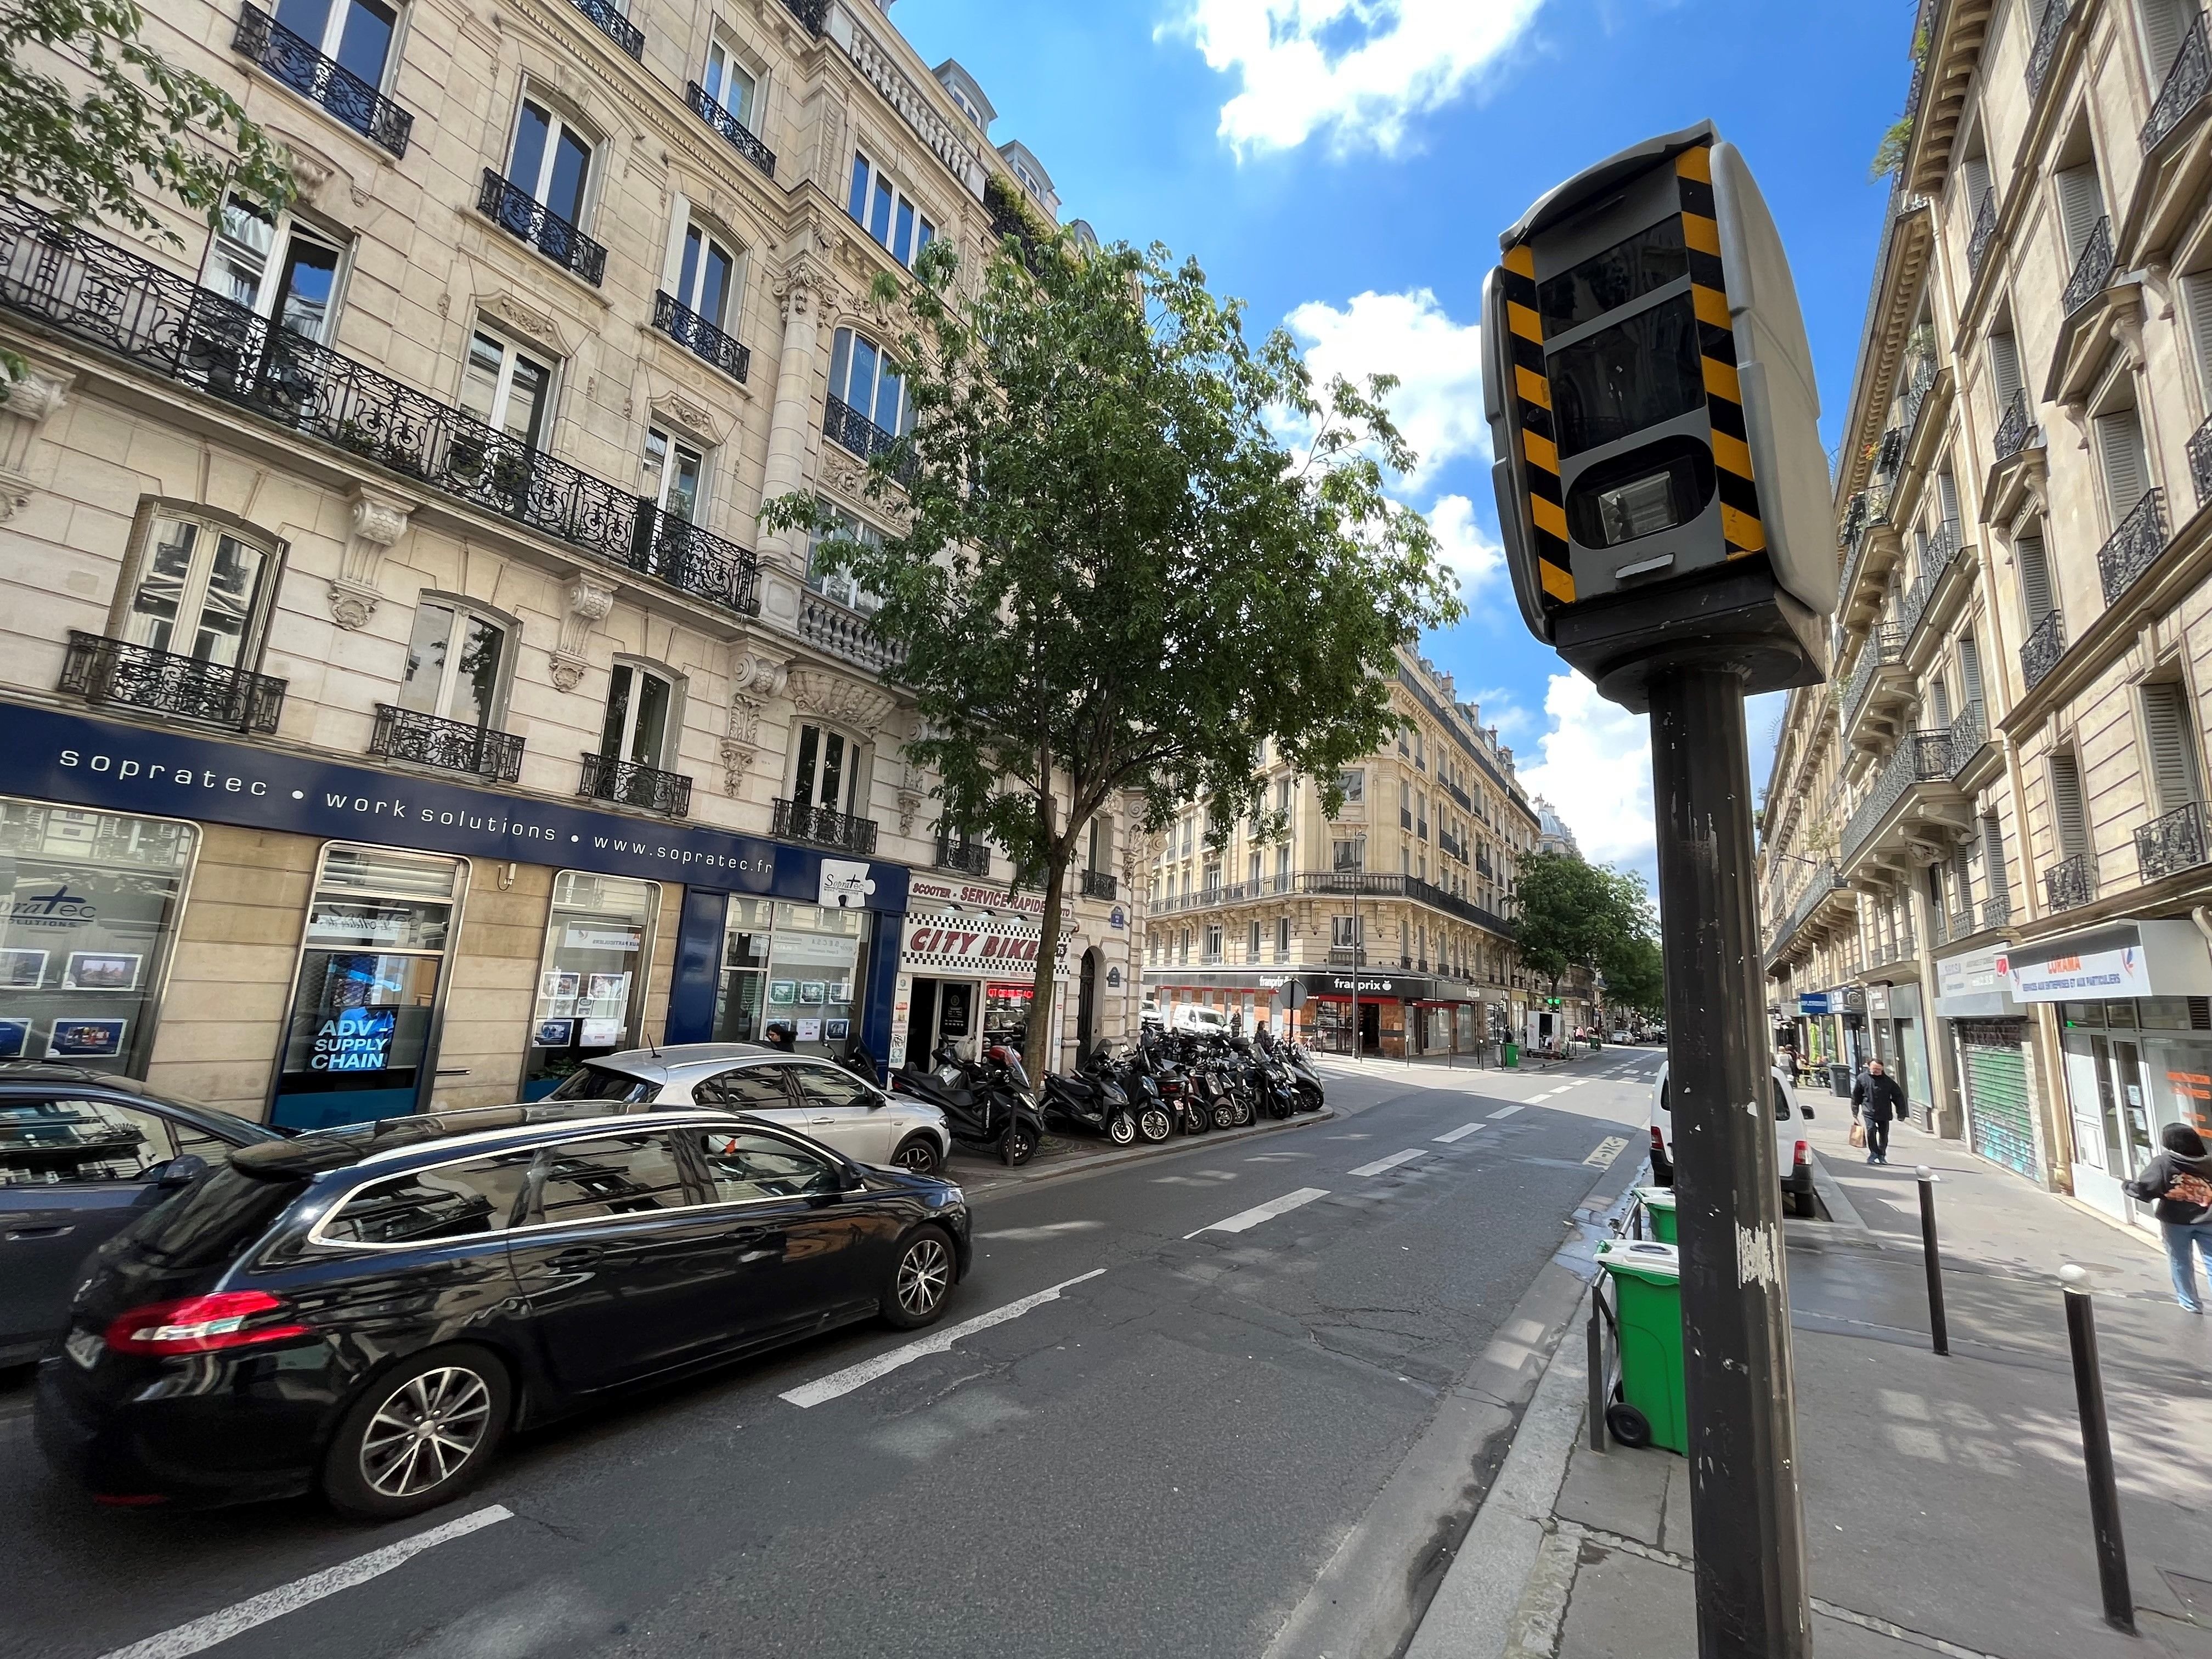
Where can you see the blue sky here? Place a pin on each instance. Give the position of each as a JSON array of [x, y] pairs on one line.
[[1344, 165]]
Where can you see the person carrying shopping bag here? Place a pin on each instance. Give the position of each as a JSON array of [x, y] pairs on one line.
[[1876, 1099], [2179, 1182]]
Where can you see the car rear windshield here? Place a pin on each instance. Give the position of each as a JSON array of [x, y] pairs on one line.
[[598, 1083], [215, 1218]]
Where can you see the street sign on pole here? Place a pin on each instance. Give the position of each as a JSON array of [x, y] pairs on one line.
[[1664, 500]]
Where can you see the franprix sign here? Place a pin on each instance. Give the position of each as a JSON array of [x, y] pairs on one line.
[[82, 762]]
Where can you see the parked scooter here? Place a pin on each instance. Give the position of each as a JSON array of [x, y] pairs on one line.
[[986, 1106], [1190, 1114], [1092, 1099], [1305, 1081], [1155, 1118]]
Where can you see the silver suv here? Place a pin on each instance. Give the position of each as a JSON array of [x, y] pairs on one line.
[[811, 1096]]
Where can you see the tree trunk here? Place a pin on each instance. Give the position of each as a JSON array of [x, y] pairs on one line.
[[1034, 1057]]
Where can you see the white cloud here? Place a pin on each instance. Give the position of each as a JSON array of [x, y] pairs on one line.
[[1596, 770], [1438, 402], [1471, 555], [1501, 708], [1361, 69]]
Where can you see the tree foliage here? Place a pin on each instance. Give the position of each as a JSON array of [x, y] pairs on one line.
[[1111, 573], [1574, 915], [92, 119]]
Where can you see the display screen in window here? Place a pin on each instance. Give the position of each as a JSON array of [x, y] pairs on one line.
[[591, 978], [92, 904]]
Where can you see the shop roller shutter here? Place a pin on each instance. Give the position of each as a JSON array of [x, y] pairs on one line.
[[2000, 1120]]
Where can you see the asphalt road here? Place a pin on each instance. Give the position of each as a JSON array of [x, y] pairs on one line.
[[1157, 1452]]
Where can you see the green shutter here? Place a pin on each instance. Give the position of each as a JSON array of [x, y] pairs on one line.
[[2000, 1121]]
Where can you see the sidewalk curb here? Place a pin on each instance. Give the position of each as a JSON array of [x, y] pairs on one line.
[[1832, 1195], [1000, 1182]]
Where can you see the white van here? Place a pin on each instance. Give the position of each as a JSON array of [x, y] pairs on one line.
[[1206, 1022], [1792, 1157]]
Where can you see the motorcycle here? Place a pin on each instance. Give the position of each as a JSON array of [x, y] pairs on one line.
[[1176, 1088], [986, 1106], [1305, 1081], [1155, 1118], [1092, 1099]]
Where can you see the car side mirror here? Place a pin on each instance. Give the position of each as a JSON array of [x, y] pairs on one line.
[[179, 1171], [852, 1178]]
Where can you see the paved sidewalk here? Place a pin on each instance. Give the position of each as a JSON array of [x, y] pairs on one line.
[[1946, 1509]]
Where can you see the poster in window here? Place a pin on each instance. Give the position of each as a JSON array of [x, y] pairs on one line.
[[841, 990], [562, 1006], [836, 1031], [21, 970], [601, 1034], [585, 936], [553, 985], [810, 1030], [85, 1039], [15, 1037], [102, 970], [608, 989], [783, 990], [555, 1033], [813, 991]]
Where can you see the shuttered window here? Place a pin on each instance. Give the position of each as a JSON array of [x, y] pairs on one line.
[[2172, 745], [2081, 204], [2004, 364], [1975, 171], [2164, 22], [2035, 592], [1962, 872], [2196, 305], [2127, 469], [1947, 494], [1969, 670], [1994, 875], [2067, 814], [1939, 703]]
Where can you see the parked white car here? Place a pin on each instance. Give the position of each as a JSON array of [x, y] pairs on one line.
[[1208, 1022], [1793, 1157]]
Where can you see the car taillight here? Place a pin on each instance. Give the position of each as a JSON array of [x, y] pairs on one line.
[[1659, 1141], [1804, 1153], [201, 1324]]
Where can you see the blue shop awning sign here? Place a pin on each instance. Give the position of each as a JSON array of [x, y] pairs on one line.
[[1814, 1002], [81, 762]]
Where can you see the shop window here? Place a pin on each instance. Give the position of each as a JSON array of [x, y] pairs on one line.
[[457, 662], [93, 899], [274, 267], [200, 590], [592, 977], [794, 968], [1006, 1012], [359, 1042]]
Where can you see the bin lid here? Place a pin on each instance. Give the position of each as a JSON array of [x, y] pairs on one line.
[[1656, 1198], [1641, 1258]]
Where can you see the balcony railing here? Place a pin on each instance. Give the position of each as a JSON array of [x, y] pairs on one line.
[[821, 826], [1984, 232], [2046, 48], [848, 426], [616, 26], [106, 670], [1922, 757], [2200, 462], [688, 329], [1406, 819], [1936, 561], [1962, 922], [740, 136], [1885, 649], [844, 632], [1915, 396], [627, 783], [526, 218], [1451, 847], [1465, 801], [814, 14], [2069, 883], [295, 63], [2092, 272], [970, 857], [402, 734], [1824, 882], [1097, 884], [2013, 427], [1347, 956], [2170, 842], [2045, 645], [2134, 547], [2186, 83], [1997, 911], [1969, 732], [95, 292]]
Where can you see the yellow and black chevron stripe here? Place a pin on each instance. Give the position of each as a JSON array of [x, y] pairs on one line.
[[1540, 449], [1701, 234]]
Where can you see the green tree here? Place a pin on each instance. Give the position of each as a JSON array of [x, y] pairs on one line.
[[92, 118], [1634, 980], [1575, 915], [1113, 574]]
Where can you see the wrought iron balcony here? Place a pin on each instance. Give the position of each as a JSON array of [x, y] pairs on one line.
[[616, 26], [1347, 956], [1984, 232], [106, 670], [971, 857], [848, 426], [1097, 884], [1451, 847], [798, 820], [844, 632], [814, 14], [2013, 427], [2134, 547], [295, 63], [164, 323], [402, 734], [626, 783], [1915, 396], [1465, 801], [1920, 757], [1935, 562], [2047, 35], [2200, 462], [694, 332], [2069, 883], [2045, 645], [526, 218], [1885, 649], [1969, 732], [1997, 911], [1406, 818], [739, 135], [2172, 842], [2186, 83], [2092, 272]]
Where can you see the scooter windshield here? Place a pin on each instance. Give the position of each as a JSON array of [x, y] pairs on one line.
[[1014, 1069]]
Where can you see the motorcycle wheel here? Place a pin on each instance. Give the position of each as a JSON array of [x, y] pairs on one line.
[[1017, 1145], [1121, 1129], [1242, 1103], [1309, 1096], [1154, 1124], [1195, 1122], [1224, 1114]]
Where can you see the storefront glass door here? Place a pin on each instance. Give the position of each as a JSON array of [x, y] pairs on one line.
[[592, 978], [744, 986]]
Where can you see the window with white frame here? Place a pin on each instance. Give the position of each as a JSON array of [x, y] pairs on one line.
[[640, 721], [866, 381], [1282, 939], [1252, 945], [1354, 785], [1345, 932], [550, 161], [457, 659], [885, 211], [1213, 942], [200, 590], [829, 559], [730, 83], [705, 277], [357, 35], [507, 388], [1351, 852], [826, 770], [673, 470], [275, 267]]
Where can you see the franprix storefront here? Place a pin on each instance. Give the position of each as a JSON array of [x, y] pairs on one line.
[[310, 942], [1376, 1013]]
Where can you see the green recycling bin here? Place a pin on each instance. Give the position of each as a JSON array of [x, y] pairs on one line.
[[1512, 1055], [1647, 1291], [1658, 1203]]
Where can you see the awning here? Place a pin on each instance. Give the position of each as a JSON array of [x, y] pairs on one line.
[[2120, 959]]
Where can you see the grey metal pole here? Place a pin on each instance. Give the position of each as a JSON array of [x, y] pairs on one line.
[[1595, 1347], [1747, 1517], [2097, 1452], [1938, 1326]]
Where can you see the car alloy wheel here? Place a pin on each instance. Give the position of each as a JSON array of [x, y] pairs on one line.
[[919, 1154], [425, 1430], [925, 1274]]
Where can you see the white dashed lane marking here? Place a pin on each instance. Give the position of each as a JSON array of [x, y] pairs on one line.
[[855, 1377], [1504, 1111], [1460, 1134], [1382, 1164], [1244, 1220]]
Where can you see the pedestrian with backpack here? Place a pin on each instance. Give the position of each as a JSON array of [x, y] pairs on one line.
[[2179, 1182], [1876, 1099]]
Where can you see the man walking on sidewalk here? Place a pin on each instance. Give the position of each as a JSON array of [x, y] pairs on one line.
[[2179, 1181], [1876, 1099]]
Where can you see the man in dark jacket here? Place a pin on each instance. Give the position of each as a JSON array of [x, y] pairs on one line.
[[1876, 1099], [2179, 1181]]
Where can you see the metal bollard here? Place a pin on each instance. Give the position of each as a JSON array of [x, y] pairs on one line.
[[1595, 1344], [2097, 1452], [1938, 1326]]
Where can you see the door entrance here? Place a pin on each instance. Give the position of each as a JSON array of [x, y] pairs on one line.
[[1371, 1027], [921, 1022], [1086, 1004]]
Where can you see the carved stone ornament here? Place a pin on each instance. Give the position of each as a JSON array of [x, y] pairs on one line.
[[756, 677], [311, 170], [590, 600], [376, 521], [31, 401], [849, 703], [912, 793], [2127, 334], [753, 680], [526, 320], [678, 410], [802, 285]]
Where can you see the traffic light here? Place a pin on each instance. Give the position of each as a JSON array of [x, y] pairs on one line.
[[1661, 484]]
